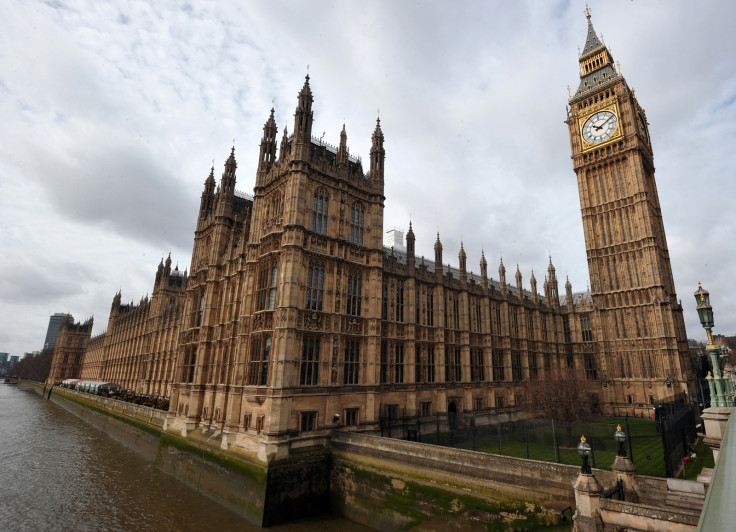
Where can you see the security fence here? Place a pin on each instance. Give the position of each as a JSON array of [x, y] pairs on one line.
[[675, 421], [546, 440]]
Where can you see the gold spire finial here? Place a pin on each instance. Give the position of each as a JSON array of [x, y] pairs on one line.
[[700, 286], [587, 11], [582, 439], [568, 92]]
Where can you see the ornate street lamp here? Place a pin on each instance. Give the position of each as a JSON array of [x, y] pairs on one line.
[[584, 451], [620, 437], [719, 396]]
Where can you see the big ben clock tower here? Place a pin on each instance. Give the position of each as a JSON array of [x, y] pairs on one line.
[[641, 333]]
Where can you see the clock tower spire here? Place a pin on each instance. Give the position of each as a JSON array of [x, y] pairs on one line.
[[633, 290]]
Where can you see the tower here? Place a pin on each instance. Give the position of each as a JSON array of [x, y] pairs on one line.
[[637, 312]]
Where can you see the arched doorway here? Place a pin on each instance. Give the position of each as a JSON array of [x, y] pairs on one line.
[[452, 415]]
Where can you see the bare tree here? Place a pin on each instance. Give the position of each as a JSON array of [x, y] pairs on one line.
[[35, 367], [564, 395]]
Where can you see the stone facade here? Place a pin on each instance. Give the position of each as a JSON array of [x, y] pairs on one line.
[[642, 344], [296, 320], [69, 352]]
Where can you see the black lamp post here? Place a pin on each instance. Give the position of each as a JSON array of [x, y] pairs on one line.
[[620, 437], [584, 451]]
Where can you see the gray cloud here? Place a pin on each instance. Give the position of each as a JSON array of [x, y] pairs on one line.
[[112, 115]]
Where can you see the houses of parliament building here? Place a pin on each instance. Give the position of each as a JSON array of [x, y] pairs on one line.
[[293, 312]]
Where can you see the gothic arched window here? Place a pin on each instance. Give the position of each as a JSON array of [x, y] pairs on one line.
[[356, 224], [315, 286], [320, 208]]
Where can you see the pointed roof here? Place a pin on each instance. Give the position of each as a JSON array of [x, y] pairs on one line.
[[211, 178], [305, 95], [377, 133], [592, 42], [231, 164], [596, 70], [271, 122]]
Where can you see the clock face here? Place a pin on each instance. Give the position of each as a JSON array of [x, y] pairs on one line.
[[643, 126], [599, 127]]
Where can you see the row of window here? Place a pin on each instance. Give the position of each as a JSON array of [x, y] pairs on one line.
[[320, 217]]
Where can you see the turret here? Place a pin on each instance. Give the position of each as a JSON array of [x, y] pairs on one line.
[[502, 277], [410, 241], [519, 288], [438, 257], [342, 151], [284, 148], [462, 259], [303, 122], [378, 154], [227, 182], [268, 145], [553, 296], [533, 285], [159, 272], [208, 195], [484, 270], [568, 293]]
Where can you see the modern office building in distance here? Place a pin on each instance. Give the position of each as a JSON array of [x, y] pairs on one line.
[[52, 333]]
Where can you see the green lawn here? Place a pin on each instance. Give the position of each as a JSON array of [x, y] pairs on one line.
[[646, 444], [704, 459]]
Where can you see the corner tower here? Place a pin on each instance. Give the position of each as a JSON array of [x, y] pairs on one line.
[[642, 340]]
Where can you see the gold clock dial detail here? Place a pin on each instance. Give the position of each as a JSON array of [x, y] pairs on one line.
[[599, 127]]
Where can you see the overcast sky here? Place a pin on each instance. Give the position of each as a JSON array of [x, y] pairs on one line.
[[112, 113]]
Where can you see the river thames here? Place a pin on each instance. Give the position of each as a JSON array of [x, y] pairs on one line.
[[58, 473]]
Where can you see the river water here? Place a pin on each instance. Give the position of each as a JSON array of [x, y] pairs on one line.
[[58, 473]]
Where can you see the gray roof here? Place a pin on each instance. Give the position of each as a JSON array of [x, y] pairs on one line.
[[577, 297], [599, 78], [592, 42]]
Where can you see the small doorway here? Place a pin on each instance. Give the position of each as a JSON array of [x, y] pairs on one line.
[[452, 415]]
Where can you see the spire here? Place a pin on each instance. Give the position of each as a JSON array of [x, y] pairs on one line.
[[378, 154], [483, 269], [596, 64], [227, 182], [592, 42], [303, 119], [568, 291], [342, 151], [438, 256], [159, 271], [533, 286], [552, 287], [462, 260], [283, 149], [268, 144], [410, 240], [208, 194], [502, 276], [519, 288]]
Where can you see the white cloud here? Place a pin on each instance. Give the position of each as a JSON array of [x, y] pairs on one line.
[[112, 114]]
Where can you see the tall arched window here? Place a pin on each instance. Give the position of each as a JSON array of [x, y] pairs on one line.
[[201, 311], [315, 286], [320, 208], [356, 224], [355, 293], [267, 288]]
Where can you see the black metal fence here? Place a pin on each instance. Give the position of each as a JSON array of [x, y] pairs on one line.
[[547, 440], [676, 424]]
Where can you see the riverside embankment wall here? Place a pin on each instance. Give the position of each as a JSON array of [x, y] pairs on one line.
[[381, 482]]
